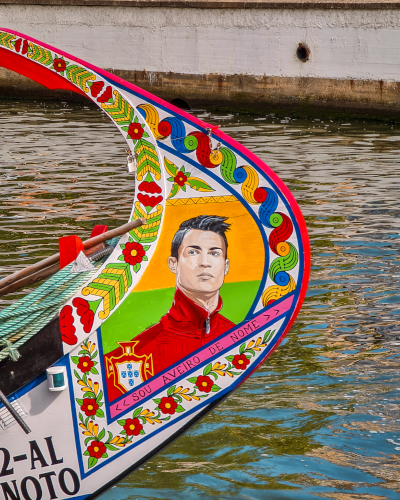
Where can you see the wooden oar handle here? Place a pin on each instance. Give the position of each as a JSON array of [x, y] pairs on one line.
[[54, 259]]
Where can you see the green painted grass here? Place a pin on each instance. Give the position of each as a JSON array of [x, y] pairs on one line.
[[143, 309]]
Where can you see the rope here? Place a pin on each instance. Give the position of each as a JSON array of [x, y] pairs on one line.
[[20, 321]]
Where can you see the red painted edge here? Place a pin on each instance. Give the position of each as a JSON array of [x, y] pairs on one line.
[[20, 64]]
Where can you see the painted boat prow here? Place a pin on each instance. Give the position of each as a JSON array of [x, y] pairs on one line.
[[141, 360]]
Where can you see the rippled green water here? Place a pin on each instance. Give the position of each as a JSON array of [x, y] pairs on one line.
[[321, 419]]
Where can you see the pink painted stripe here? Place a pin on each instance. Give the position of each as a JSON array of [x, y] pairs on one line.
[[229, 340]]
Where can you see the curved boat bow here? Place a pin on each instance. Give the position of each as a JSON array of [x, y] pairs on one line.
[[183, 310]]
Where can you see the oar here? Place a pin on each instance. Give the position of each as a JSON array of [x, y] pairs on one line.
[[51, 265]]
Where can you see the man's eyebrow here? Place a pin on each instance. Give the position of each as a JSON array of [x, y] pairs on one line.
[[216, 248], [194, 246]]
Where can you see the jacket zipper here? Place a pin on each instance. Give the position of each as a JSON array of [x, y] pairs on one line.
[[207, 329]]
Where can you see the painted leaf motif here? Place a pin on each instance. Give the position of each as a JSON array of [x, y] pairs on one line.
[[136, 412], [207, 369], [174, 190], [110, 447], [170, 167], [198, 184]]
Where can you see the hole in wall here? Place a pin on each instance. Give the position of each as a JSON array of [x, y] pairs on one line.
[[303, 52], [180, 103]]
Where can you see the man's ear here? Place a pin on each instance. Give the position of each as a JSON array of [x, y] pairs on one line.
[[227, 266], [173, 264]]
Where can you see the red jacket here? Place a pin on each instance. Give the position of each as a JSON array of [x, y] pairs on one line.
[[180, 332]]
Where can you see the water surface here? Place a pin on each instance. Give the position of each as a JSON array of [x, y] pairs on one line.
[[321, 418]]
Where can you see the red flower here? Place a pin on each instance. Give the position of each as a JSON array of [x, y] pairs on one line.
[[59, 64], [67, 326], [240, 361], [89, 406], [132, 426], [135, 130], [168, 405], [149, 201], [204, 383], [133, 253], [84, 312], [85, 364], [96, 449], [180, 179], [149, 187]]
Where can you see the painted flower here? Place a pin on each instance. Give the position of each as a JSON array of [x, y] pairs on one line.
[[135, 130], [240, 361], [149, 187], [67, 326], [180, 179], [85, 364], [59, 65], [133, 426], [89, 407], [168, 405], [84, 312], [204, 383], [133, 253], [149, 201], [96, 449]]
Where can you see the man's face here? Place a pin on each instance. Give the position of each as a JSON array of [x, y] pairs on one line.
[[201, 264]]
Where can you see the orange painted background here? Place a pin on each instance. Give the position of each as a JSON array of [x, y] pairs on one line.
[[245, 244]]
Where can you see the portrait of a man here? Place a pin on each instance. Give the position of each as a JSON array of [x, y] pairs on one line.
[[199, 259]]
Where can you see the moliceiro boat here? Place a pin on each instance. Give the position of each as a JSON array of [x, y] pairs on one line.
[[121, 351]]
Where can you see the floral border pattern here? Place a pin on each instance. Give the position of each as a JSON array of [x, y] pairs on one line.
[[100, 441]]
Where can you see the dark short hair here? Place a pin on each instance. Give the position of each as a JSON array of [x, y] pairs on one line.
[[212, 223]]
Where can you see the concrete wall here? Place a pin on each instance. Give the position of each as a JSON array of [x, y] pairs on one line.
[[224, 55]]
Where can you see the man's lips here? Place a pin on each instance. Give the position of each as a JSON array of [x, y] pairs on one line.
[[205, 275]]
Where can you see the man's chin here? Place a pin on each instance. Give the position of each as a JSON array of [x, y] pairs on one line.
[[206, 287]]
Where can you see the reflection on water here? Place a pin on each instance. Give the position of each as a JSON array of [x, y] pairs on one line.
[[321, 419]]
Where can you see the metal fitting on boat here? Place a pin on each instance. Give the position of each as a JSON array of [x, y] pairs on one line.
[[57, 378], [131, 161]]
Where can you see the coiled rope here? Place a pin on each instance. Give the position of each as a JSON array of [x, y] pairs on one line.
[[20, 321]]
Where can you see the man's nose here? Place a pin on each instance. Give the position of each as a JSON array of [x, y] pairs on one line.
[[204, 260]]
